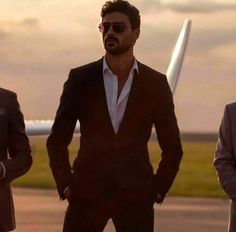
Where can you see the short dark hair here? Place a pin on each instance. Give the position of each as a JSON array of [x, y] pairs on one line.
[[123, 7]]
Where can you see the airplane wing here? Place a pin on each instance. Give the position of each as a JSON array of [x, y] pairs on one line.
[[43, 127]]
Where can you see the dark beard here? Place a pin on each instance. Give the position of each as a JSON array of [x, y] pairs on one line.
[[118, 50]]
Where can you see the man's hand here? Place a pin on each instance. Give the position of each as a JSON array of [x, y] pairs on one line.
[[159, 199]]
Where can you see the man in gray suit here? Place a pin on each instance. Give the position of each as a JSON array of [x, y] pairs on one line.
[[225, 159], [15, 154]]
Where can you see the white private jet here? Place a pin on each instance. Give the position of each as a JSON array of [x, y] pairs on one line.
[[43, 127]]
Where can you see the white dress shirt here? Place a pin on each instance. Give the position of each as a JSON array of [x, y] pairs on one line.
[[117, 106]]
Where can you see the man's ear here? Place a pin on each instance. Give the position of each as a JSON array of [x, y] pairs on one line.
[[137, 33]]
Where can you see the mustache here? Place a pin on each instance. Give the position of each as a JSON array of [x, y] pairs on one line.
[[111, 38]]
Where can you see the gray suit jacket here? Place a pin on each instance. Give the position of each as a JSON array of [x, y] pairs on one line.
[[15, 153], [225, 155]]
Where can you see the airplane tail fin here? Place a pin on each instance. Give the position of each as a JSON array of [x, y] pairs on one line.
[[177, 57]]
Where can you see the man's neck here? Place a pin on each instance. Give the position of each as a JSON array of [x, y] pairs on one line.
[[120, 65]]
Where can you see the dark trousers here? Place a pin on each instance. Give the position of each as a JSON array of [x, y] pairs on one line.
[[86, 215], [2, 229]]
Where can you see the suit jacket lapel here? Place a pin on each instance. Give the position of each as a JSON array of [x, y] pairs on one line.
[[132, 106], [100, 97]]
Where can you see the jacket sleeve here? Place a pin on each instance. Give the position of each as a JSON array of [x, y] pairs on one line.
[[19, 151], [224, 160], [61, 135], [169, 140]]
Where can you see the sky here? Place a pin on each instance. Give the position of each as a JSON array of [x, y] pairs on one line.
[[41, 40]]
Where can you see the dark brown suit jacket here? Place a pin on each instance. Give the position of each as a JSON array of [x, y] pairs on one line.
[[109, 162], [14, 153]]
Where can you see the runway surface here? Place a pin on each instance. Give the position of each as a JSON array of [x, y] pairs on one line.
[[40, 210]]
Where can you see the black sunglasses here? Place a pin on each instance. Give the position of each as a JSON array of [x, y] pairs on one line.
[[117, 27]]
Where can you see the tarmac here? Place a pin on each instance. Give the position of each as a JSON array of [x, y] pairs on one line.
[[40, 210]]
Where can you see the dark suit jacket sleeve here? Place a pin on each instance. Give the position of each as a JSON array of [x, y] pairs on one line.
[[169, 141], [18, 144], [224, 160], [61, 135]]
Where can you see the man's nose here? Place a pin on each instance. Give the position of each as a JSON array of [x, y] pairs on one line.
[[110, 30]]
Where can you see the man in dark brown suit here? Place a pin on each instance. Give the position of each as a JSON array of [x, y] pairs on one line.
[[15, 154], [117, 100]]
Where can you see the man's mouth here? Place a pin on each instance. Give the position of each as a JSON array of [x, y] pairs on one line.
[[111, 41]]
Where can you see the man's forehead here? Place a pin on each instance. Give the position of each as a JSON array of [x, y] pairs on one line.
[[116, 17]]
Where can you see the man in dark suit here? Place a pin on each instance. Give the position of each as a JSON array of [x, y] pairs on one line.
[[117, 100], [225, 159], [15, 154]]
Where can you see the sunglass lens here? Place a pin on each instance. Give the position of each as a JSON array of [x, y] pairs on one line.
[[101, 28], [118, 28], [106, 27]]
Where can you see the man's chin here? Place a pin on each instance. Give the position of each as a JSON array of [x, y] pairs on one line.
[[111, 45], [112, 50], [114, 53]]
